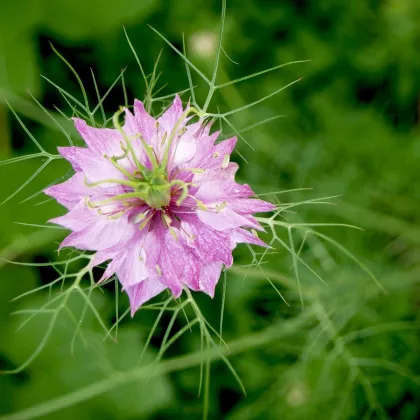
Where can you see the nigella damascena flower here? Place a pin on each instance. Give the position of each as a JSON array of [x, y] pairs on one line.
[[156, 197]]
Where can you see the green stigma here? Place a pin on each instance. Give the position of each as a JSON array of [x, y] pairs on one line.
[[158, 192], [151, 186]]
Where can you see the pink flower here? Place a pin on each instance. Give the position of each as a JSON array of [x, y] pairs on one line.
[[159, 200]]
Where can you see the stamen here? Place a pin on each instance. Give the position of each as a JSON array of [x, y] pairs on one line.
[[173, 233], [116, 215], [225, 161], [220, 207], [168, 222], [184, 193], [89, 203], [201, 205], [139, 217], [166, 219], [216, 154], [196, 170], [146, 221], [158, 270], [191, 236]]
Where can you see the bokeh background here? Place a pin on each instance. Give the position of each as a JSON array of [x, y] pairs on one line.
[[351, 128]]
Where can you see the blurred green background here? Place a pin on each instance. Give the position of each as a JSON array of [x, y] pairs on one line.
[[351, 128]]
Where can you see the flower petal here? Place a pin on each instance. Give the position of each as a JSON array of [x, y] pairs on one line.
[[164, 256], [70, 192], [225, 147], [250, 205], [209, 245], [133, 269], [94, 167], [91, 231], [184, 150], [100, 140], [215, 190], [224, 219], [243, 236], [146, 123], [209, 276], [191, 272], [143, 291], [169, 119]]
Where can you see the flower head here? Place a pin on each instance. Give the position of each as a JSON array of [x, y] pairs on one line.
[[158, 198]]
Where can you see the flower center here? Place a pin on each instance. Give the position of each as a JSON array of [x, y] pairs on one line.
[[156, 192], [150, 186]]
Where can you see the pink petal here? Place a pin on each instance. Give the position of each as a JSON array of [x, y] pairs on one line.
[[143, 291], [224, 219], [146, 123], [77, 218], [243, 236], [131, 126], [95, 238], [70, 192], [191, 270], [209, 276], [252, 222], [165, 257], [215, 190], [170, 117], [104, 255], [225, 147], [91, 231], [204, 154], [184, 150], [100, 140], [250, 205], [209, 245], [133, 269], [117, 253], [94, 167]]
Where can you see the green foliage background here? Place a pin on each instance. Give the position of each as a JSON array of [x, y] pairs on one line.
[[350, 128]]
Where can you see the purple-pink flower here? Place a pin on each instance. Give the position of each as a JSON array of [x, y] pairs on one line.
[[158, 199]]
